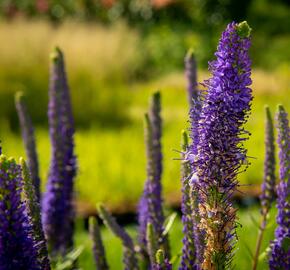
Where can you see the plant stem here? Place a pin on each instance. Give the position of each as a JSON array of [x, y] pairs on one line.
[[260, 238]]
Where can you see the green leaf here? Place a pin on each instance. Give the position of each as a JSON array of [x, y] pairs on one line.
[[70, 259], [168, 223]]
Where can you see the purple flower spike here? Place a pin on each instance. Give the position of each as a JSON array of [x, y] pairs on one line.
[[98, 247], [29, 141], [34, 216], [280, 248], [17, 248], [58, 210], [220, 151], [193, 259], [129, 258], [189, 211], [191, 75], [268, 186], [150, 206]]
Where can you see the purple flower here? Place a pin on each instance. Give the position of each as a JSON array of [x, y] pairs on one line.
[[58, 210], [17, 248], [189, 208], [268, 185], [220, 151], [191, 75], [129, 257], [34, 217], [98, 247], [29, 141], [192, 251], [150, 206], [280, 248]]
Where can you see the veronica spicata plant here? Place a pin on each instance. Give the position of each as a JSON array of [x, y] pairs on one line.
[[129, 255], [192, 241], [268, 185], [98, 247], [220, 152], [29, 141], [189, 208], [34, 216], [150, 206], [17, 247], [58, 209], [280, 248]]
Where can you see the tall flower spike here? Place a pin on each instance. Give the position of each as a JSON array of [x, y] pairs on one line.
[[150, 206], [268, 185], [191, 75], [188, 249], [280, 248], [129, 258], [34, 215], [98, 247], [194, 114], [17, 248], [29, 141], [220, 151], [192, 243], [58, 209]]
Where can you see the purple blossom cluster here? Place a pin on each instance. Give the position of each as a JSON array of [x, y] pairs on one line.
[[280, 248], [58, 209], [17, 247], [193, 239], [150, 206], [29, 141], [268, 186], [220, 153]]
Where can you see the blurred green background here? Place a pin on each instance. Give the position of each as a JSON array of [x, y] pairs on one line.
[[117, 54]]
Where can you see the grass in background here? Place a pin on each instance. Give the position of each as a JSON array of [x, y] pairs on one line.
[[100, 61], [246, 244]]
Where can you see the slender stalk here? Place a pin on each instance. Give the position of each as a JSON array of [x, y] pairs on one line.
[[260, 239]]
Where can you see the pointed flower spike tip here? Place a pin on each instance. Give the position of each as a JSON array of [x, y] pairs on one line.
[[160, 259], [184, 139], [19, 96], [244, 30], [56, 54], [189, 54], [156, 95], [146, 121]]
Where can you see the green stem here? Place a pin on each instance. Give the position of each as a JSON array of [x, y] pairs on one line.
[[260, 238]]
